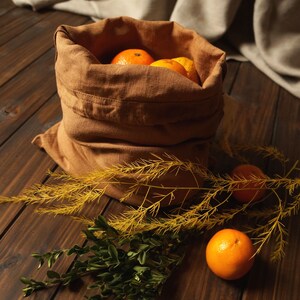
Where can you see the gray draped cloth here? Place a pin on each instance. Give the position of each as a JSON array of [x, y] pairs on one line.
[[265, 32]]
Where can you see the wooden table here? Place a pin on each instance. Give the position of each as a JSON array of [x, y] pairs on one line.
[[263, 113]]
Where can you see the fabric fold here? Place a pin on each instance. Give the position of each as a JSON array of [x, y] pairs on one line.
[[115, 114]]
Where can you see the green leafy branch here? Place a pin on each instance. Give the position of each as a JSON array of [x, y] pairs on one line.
[[126, 268]]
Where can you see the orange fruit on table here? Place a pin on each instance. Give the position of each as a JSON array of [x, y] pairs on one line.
[[190, 68], [251, 191], [171, 65], [133, 56], [229, 254]]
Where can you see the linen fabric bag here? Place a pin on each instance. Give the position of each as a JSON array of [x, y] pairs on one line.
[[120, 113]]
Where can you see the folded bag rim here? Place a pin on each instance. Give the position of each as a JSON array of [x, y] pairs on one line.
[[183, 97]]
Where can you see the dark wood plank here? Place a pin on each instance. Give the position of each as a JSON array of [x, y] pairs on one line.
[[37, 233], [25, 93], [6, 6], [277, 280], [30, 164], [249, 116], [287, 127], [259, 113], [20, 98], [23, 164], [232, 71], [281, 280], [287, 271], [27, 47], [17, 20]]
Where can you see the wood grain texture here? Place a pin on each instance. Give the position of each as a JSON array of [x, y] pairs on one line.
[[16, 21], [287, 125], [231, 73], [281, 281], [252, 108], [22, 50], [258, 112], [25, 93], [23, 164], [287, 138], [6, 6], [37, 233]]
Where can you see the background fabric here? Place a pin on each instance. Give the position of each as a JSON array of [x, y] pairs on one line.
[[267, 33]]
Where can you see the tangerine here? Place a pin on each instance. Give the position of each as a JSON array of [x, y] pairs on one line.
[[250, 191], [190, 68], [230, 254], [171, 65], [133, 56]]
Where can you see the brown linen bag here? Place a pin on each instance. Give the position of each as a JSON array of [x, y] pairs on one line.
[[114, 114]]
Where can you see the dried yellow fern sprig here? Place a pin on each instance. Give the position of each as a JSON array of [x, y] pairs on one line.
[[70, 194], [217, 185], [67, 198], [207, 215]]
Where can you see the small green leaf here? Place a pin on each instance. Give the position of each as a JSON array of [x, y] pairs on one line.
[[105, 275], [140, 269], [90, 236], [39, 258], [27, 291], [57, 255], [113, 252], [142, 258], [52, 274], [78, 250], [143, 247], [68, 278], [25, 280], [36, 255], [132, 254]]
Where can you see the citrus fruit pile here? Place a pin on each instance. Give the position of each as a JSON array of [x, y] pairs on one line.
[[182, 65]]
